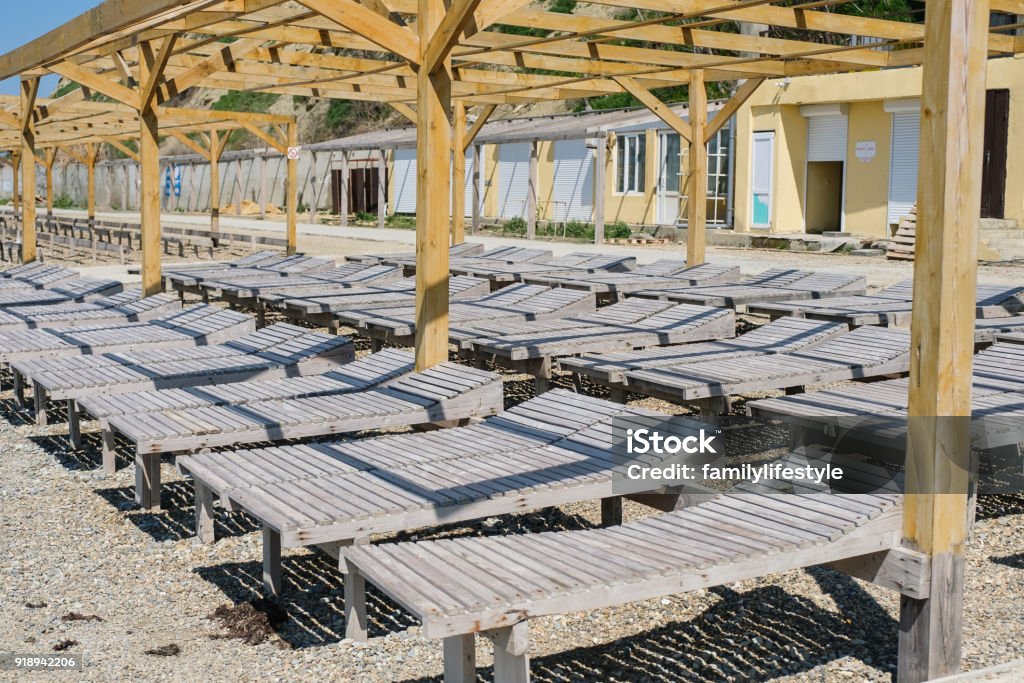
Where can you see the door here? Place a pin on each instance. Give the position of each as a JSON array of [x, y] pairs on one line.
[[405, 180], [993, 176], [906, 143], [669, 178], [513, 179], [572, 192], [826, 173], [763, 162]]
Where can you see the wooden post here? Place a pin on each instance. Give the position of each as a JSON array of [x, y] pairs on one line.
[[696, 198], [458, 173], [29, 89], [433, 192], [942, 331], [238, 187], [91, 151], [149, 194], [314, 188], [263, 185], [382, 188], [15, 190], [531, 194], [292, 190], [50, 158], [600, 162], [215, 150], [343, 190], [477, 175]]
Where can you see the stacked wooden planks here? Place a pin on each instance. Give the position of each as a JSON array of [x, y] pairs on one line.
[[904, 242]]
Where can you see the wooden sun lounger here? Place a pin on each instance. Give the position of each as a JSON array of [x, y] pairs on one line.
[[321, 309], [496, 256], [245, 292], [254, 260], [444, 393], [271, 353], [39, 278], [190, 282], [79, 290], [501, 273], [397, 325], [195, 326], [1011, 337], [532, 347], [666, 273], [551, 450], [455, 251], [459, 587], [858, 354], [26, 270], [991, 329], [891, 306], [127, 306], [774, 285], [780, 336]]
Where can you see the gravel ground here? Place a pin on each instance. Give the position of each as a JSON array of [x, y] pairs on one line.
[[85, 572]]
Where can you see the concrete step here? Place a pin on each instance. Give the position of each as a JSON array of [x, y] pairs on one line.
[[999, 224]]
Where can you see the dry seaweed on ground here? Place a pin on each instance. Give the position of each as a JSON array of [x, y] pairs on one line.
[[64, 645], [77, 616], [251, 622], [171, 650], [35, 605]]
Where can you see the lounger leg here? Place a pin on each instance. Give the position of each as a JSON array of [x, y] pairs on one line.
[[460, 659], [74, 426], [39, 401], [109, 448], [271, 561], [204, 513], [618, 395], [793, 391], [541, 371], [355, 603], [376, 345], [261, 314], [511, 658], [611, 511], [147, 481], [19, 388]]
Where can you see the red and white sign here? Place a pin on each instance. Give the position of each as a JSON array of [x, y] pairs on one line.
[[293, 152]]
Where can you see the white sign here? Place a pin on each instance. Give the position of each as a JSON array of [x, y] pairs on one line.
[[293, 152], [866, 150]]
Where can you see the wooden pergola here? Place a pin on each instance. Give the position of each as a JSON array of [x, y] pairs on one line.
[[79, 128], [432, 60]]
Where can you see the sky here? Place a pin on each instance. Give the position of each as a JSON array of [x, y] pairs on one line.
[[28, 19]]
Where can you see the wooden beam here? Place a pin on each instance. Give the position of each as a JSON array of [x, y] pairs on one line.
[[292, 192], [15, 189], [222, 60], [458, 173], [265, 136], [447, 34], [481, 119], [739, 98], [91, 152], [942, 331], [600, 164], [370, 25], [696, 196], [190, 143], [659, 108], [94, 81], [216, 148], [50, 158], [125, 149], [405, 110], [433, 152], [29, 91], [382, 187], [531, 193], [150, 70], [157, 62]]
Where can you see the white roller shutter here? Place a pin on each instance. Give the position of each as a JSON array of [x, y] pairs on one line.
[[513, 179], [404, 171], [469, 183], [826, 138], [906, 141], [572, 194]]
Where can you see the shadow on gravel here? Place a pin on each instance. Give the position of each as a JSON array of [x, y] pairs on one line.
[[313, 602], [176, 519], [996, 506], [1012, 561], [59, 448], [10, 411], [754, 636]]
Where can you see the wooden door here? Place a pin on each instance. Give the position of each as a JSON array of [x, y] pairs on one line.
[[993, 178]]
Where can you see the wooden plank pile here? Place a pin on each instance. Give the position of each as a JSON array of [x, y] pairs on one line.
[[902, 245]]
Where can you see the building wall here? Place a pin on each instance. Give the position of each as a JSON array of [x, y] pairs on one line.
[[776, 107]]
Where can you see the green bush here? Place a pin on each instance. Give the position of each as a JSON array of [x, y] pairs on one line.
[[5, 201], [365, 217], [579, 230], [399, 220], [515, 226], [617, 230], [63, 202]]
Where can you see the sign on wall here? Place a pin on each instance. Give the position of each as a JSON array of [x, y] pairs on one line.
[[866, 150]]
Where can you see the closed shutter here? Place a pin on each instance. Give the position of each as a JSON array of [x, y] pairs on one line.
[[826, 138], [513, 179], [404, 170], [906, 142], [572, 194]]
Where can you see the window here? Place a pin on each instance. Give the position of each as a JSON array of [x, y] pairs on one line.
[[631, 162]]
